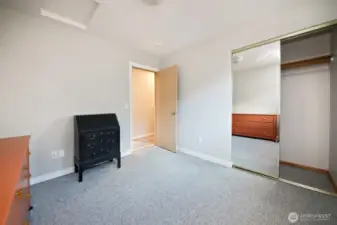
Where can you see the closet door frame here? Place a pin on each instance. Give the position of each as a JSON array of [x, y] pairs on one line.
[[282, 38]]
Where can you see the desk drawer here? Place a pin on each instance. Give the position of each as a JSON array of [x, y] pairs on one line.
[[20, 206], [21, 200]]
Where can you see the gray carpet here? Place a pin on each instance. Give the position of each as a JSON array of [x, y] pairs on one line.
[[156, 187], [307, 177]]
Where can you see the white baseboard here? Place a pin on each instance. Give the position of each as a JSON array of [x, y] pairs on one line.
[[52, 175], [63, 172], [128, 152], [142, 136], [206, 157]]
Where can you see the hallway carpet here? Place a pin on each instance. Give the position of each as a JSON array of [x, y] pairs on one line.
[[156, 187], [140, 143]]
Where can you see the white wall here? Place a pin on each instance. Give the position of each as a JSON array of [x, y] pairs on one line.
[[305, 104], [333, 107], [142, 103], [42, 63], [257, 90], [50, 72], [205, 94], [305, 116]]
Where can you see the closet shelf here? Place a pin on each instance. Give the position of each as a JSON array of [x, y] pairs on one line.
[[307, 62]]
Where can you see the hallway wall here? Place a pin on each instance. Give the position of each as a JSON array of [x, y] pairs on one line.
[[142, 103]]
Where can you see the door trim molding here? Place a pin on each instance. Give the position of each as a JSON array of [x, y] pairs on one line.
[[138, 66]]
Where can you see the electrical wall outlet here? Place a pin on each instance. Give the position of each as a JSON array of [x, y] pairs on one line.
[[57, 154], [54, 155]]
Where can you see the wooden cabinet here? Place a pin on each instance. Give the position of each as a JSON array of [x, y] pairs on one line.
[[15, 181], [97, 140], [255, 125]]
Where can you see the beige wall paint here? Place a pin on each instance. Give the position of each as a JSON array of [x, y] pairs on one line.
[[142, 102]]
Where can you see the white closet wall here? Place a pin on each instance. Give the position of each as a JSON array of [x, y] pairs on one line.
[[251, 96], [305, 105], [333, 102]]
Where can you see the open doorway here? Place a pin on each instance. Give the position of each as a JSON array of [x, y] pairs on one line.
[[143, 108], [156, 123]]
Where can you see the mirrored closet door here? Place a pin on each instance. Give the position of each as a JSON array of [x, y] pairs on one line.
[[256, 107]]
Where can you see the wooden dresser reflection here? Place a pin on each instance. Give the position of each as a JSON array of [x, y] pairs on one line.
[[15, 181], [255, 125]]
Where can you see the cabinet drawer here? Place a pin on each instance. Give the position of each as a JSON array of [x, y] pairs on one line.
[[19, 208], [253, 118], [24, 178], [253, 124], [240, 130], [260, 125], [263, 133]]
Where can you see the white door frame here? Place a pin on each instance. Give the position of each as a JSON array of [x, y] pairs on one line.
[[138, 66]]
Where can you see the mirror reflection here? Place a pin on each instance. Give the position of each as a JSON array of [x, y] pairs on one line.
[[256, 109]]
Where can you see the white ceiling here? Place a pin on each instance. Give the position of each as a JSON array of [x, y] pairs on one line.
[[258, 57], [175, 23], [167, 27]]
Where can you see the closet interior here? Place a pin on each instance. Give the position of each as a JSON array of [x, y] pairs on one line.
[[308, 104]]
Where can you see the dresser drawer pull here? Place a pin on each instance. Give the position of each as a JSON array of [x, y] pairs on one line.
[[26, 167], [21, 195]]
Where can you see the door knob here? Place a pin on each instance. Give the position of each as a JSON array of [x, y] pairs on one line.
[[173, 114]]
